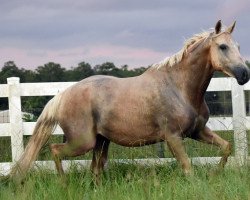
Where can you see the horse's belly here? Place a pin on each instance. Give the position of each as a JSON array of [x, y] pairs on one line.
[[133, 141], [133, 136]]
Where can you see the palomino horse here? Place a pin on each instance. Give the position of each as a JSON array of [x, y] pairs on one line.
[[166, 103]]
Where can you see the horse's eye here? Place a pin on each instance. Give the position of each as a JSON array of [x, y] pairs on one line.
[[223, 47]]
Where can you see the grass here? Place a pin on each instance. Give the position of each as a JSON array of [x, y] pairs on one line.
[[131, 182]]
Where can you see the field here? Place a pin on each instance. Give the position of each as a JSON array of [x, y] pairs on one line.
[[134, 182], [130, 181]]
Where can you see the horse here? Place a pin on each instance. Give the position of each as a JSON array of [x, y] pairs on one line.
[[165, 103]]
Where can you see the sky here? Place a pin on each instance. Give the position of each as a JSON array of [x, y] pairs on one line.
[[133, 32]]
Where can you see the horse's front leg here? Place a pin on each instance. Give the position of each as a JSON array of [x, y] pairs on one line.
[[176, 146], [211, 137]]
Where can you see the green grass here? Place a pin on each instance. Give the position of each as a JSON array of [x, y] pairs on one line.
[[131, 182], [5, 149]]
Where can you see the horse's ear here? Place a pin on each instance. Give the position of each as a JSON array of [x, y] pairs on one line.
[[218, 27], [231, 28]]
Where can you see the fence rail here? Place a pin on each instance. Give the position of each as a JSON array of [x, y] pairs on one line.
[[16, 128]]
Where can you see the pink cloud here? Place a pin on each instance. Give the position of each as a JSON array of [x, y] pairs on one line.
[[125, 55], [120, 55]]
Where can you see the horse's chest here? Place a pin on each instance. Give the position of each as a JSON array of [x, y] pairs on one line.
[[187, 121]]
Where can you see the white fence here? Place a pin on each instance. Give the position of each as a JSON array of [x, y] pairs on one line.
[[16, 128]]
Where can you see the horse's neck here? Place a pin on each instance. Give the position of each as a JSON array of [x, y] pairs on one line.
[[193, 79]]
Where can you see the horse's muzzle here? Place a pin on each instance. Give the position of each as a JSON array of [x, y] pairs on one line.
[[242, 74]]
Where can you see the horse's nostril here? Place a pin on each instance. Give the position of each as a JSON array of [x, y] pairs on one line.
[[245, 75]]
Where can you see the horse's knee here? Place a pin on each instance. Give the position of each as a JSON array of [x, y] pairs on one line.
[[56, 149]]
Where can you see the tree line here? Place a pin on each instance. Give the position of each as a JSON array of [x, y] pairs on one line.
[[53, 72]]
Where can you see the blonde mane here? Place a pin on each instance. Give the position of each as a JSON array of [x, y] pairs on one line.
[[176, 58]]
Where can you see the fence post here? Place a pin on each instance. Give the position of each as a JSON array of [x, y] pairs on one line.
[[15, 115], [239, 123]]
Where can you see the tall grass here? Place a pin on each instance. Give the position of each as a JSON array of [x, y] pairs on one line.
[[131, 182]]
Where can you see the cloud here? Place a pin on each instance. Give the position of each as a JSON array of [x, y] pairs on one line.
[[43, 26], [104, 6], [124, 55], [97, 54], [230, 9]]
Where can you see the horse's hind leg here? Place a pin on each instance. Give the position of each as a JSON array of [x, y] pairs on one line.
[[100, 154], [79, 146], [56, 153]]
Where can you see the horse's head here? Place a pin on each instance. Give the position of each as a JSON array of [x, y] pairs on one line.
[[225, 55]]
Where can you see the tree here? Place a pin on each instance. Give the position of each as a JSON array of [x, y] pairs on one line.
[[83, 70], [34, 104], [50, 72], [28, 76], [107, 68], [125, 72], [9, 70], [139, 71]]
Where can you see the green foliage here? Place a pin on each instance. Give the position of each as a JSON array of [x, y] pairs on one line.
[[9, 69], [50, 72], [53, 72], [110, 69], [27, 76], [83, 70], [34, 105], [27, 117]]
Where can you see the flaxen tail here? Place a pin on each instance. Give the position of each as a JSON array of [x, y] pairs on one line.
[[45, 125]]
